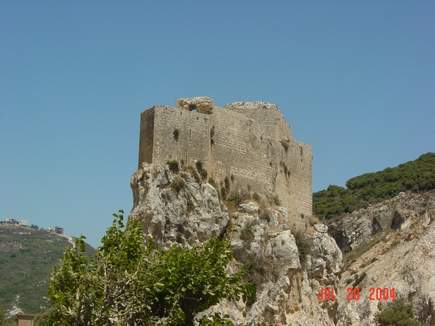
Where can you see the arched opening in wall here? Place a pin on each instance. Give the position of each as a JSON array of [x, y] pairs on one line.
[[397, 221], [376, 226]]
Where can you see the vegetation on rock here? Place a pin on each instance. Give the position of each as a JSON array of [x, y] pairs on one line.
[[173, 166], [417, 175], [134, 281], [396, 313]]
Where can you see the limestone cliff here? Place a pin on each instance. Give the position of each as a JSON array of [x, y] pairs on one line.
[[390, 244], [178, 207], [237, 172]]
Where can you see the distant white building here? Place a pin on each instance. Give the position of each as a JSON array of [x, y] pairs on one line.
[[10, 221], [14, 221]]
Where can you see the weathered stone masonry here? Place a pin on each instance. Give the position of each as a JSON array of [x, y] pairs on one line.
[[248, 143]]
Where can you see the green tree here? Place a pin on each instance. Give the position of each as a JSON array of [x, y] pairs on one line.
[[417, 175], [133, 281], [397, 313]]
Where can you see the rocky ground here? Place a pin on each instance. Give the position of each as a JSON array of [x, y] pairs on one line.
[[389, 245], [398, 253]]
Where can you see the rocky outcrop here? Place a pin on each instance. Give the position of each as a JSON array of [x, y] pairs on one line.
[[325, 259], [177, 207], [352, 230], [289, 268], [202, 104], [403, 260]]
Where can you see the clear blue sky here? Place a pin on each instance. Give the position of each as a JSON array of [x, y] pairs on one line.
[[356, 79]]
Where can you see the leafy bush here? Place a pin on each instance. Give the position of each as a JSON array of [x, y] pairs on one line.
[[215, 320], [193, 173], [133, 281], [396, 313], [250, 294], [202, 172], [178, 183], [173, 166], [418, 175], [235, 198]]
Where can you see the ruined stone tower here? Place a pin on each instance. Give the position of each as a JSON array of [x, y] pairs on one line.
[[247, 145]]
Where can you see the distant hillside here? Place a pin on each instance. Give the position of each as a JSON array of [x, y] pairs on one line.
[[27, 256], [418, 175]]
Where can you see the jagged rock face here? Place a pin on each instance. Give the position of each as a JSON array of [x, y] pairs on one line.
[[325, 259], [404, 259], [359, 227], [175, 208], [260, 238]]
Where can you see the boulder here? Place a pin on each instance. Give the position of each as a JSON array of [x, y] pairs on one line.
[[202, 104]]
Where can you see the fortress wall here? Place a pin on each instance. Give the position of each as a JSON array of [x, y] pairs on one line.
[[192, 141], [235, 146], [146, 140], [272, 121], [237, 150], [299, 165], [293, 180]]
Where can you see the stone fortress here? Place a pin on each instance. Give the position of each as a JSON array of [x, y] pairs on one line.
[[245, 145]]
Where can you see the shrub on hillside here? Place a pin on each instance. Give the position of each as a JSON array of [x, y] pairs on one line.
[[396, 313], [133, 281], [173, 166], [178, 183], [418, 175]]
